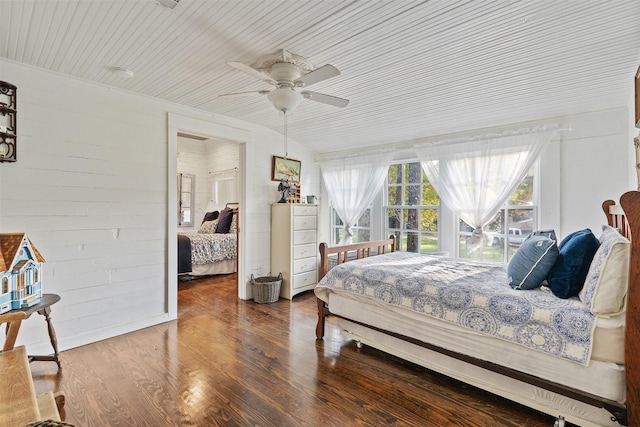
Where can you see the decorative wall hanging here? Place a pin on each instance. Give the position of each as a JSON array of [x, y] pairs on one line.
[[8, 107], [284, 167]]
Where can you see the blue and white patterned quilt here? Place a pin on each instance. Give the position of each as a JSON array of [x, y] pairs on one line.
[[471, 294]]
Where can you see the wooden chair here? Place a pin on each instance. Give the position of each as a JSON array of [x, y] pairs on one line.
[[13, 321]]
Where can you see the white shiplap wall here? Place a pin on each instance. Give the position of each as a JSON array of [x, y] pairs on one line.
[[90, 188]]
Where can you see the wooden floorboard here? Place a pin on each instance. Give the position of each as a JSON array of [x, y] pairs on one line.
[[228, 362]]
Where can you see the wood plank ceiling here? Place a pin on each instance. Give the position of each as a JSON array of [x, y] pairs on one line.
[[411, 69]]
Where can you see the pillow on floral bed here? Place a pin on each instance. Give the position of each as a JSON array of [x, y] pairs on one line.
[[208, 227], [224, 220], [605, 290], [210, 216], [233, 228]]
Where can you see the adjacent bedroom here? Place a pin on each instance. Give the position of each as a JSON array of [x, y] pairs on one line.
[[208, 208]]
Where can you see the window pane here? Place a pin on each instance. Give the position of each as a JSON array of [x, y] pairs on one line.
[[429, 243], [408, 186], [411, 219], [364, 220], [493, 252], [523, 195], [413, 195], [395, 174], [395, 195], [429, 220], [363, 235], [336, 219], [520, 225], [413, 242], [393, 218], [429, 195], [413, 173]]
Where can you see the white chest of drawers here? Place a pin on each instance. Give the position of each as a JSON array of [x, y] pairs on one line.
[[294, 246]]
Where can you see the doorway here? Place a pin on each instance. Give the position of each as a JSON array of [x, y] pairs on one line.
[[195, 129]]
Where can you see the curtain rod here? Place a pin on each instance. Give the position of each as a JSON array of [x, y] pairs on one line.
[[405, 149], [223, 171]]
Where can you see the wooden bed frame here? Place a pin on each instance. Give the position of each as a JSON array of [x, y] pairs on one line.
[[625, 217]]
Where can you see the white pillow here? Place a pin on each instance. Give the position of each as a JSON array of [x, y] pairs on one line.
[[208, 227], [605, 289]]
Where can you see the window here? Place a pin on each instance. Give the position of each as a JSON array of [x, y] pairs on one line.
[[506, 232], [5, 285], [361, 230], [411, 208], [186, 199]]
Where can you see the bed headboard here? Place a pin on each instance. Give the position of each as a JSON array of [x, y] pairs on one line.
[[626, 217], [345, 253]]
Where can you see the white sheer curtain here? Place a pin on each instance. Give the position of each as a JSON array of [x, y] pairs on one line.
[[353, 183], [475, 176]]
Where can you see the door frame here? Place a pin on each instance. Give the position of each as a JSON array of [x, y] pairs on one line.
[[183, 124]]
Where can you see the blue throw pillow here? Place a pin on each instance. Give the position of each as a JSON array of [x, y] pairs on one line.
[[567, 276], [547, 233], [531, 264]]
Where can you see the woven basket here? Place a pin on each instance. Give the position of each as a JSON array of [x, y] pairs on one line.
[[266, 289]]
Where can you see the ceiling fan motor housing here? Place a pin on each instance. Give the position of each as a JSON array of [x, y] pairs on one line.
[[284, 72]]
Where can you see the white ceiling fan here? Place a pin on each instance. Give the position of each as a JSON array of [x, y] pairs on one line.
[[287, 72]]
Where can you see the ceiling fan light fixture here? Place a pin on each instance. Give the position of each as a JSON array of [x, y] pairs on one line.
[[284, 98]]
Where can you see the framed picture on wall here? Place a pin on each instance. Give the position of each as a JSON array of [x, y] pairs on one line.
[[285, 168]]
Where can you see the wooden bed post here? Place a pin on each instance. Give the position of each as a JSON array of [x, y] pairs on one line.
[[362, 250], [630, 203]]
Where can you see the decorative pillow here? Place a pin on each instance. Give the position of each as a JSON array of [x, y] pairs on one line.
[[224, 221], [233, 228], [208, 227], [568, 274], [210, 216], [530, 265], [546, 233], [605, 290]]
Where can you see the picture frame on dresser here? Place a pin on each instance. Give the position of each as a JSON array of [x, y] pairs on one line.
[[285, 167]]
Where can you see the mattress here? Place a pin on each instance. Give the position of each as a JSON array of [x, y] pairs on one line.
[[604, 377]]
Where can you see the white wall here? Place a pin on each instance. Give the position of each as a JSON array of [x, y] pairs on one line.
[[91, 189]]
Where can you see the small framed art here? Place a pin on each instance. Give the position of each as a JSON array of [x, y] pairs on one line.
[[285, 168]]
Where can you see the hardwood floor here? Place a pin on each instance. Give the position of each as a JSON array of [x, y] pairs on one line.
[[228, 362]]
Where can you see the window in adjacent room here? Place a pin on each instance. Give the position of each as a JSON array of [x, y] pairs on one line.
[[186, 199], [511, 225], [411, 208]]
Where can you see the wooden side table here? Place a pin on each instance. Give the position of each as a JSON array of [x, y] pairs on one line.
[[44, 308]]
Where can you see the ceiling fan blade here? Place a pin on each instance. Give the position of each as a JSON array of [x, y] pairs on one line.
[[325, 99], [317, 75], [252, 72], [260, 92]]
